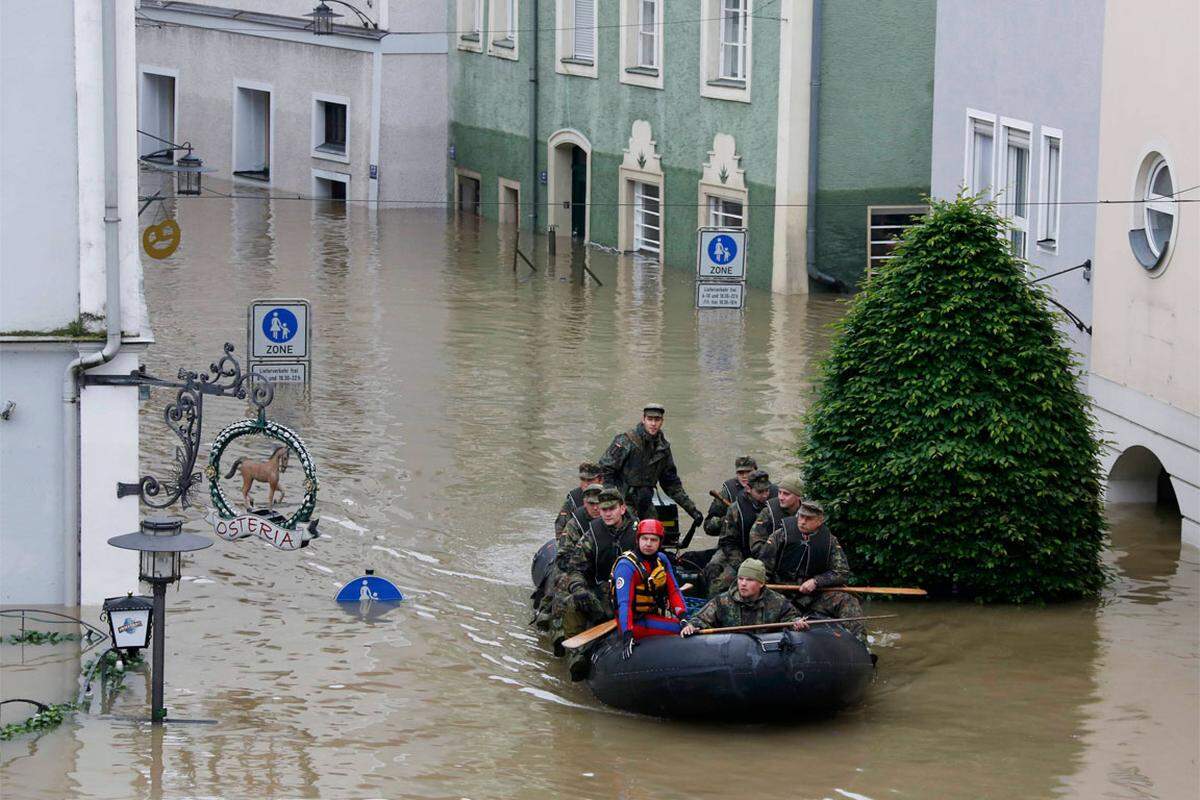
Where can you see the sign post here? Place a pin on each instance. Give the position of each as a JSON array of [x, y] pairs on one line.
[[720, 267], [279, 339]]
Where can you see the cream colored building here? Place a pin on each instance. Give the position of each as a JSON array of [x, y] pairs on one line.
[[1145, 370]]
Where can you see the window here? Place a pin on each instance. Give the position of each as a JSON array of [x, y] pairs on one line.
[[156, 115], [733, 40], [1049, 211], [725, 49], [885, 225], [1014, 203], [330, 185], [641, 36], [503, 18], [647, 219], [575, 38], [723, 213], [329, 128], [981, 137], [1154, 222], [470, 25], [252, 133]]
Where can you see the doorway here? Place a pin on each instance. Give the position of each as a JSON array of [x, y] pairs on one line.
[[570, 178], [467, 194]]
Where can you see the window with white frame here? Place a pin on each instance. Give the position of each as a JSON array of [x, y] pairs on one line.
[[1156, 214], [725, 213], [252, 133], [470, 25], [329, 128], [981, 146], [1050, 193], [641, 38], [733, 40], [725, 49], [647, 218], [503, 19], [1015, 199], [885, 226], [575, 39]]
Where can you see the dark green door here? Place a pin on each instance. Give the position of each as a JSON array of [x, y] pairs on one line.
[[578, 193]]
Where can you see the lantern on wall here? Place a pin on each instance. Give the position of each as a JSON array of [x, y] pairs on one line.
[[189, 169], [322, 19]]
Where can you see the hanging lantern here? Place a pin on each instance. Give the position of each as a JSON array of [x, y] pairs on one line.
[[189, 168], [322, 19]]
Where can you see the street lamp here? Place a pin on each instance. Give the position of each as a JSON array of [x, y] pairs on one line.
[[159, 543], [189, 168], [322, 19], [129, 622]]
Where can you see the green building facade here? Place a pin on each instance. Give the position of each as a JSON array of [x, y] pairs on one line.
[[655, 117]]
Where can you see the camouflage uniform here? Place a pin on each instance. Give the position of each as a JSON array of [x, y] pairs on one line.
[[729, 492], [769, 519], [721, 571], [573, 502], [730, 609], [635, 463], [786, 555]]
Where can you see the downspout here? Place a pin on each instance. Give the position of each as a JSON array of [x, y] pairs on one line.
[[814, 130], [112, 309], [533, 122]]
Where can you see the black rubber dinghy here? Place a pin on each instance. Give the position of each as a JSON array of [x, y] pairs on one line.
[[735, 676], [543, 560]]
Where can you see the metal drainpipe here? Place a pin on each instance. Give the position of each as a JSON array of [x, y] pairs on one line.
[[533, 121], [112, 310], [814, 130]]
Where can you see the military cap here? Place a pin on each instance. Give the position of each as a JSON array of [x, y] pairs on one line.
[[743, 463], [754, 569], [792, 484], [811, 508], [610, 497], [589, 470], [654, 410], [592, 491], [759, 479]]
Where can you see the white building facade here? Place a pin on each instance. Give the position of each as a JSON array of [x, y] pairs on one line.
[[1145, 379], [357, 115], [70, 290]]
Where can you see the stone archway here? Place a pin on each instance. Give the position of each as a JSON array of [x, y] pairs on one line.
[[1138, 476], [569, 184]]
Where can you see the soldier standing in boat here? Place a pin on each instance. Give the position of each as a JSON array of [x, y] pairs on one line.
[[749, 602], [728, 494], [640, 459], [587, 564], [804, 552], [645, 589], [577, 523], [778, 508], [734, 544], [589, 473]]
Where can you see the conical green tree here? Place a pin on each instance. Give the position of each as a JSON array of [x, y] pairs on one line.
[[950, 439]]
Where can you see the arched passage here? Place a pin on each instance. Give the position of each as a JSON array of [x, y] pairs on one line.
[[569, 183], [1138, 476]]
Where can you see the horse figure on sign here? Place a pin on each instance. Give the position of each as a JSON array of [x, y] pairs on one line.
[[267, 472]]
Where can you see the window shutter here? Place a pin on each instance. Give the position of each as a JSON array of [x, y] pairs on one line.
[[585, 18]]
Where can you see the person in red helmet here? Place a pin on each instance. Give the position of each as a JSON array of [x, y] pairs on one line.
[[645, 590]]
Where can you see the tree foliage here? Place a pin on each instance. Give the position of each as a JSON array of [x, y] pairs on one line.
[[950, 438]]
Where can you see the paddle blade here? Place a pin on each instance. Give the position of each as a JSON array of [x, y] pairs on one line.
[[590, 635]]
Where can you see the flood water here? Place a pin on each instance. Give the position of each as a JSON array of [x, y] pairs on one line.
[[451, 402]]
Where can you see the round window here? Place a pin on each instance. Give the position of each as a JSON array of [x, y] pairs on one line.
[[1159, 206]]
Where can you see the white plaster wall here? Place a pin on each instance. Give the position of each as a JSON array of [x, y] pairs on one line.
[[1039, 63], [211, 63], [108, 453], [39, 287], [789, 269], [1145, 380], [298, 8], [414, 134]]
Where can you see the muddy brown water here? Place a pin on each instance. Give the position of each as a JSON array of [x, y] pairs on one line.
[[451, 401]]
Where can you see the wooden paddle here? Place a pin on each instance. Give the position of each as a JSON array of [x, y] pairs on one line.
[[596, 631], [788, 587], [722, 499], [778, 625]]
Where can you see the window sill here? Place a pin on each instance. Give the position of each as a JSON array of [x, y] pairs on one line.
[[579, 67], [726, 89], [470, 43], [1048, 245], [579, 62], [329, 153], [259, 175], [1140, 244], [651, 72], [727, 83], [503, 47], [504, 44]]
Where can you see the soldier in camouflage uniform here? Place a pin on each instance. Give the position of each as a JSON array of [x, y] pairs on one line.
[[749, 602], [587, 564], [734, 544], [589, 473], [804, 552], [778, 509], [728, 494], [640, 459], [579, 520]]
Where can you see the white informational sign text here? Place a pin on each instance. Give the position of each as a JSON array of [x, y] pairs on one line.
[[720, 295]]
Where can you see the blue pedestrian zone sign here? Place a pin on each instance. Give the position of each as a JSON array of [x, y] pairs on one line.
[[369, 588], [279, 330], [721, 253], [279, 325]]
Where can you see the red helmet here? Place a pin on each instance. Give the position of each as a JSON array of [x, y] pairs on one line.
[[651, 527]]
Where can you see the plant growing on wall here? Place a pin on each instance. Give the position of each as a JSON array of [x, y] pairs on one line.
[[950, 438]]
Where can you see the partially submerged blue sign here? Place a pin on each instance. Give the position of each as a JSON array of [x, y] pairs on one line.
[[369, 588], [721, 254], [279, 333]]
